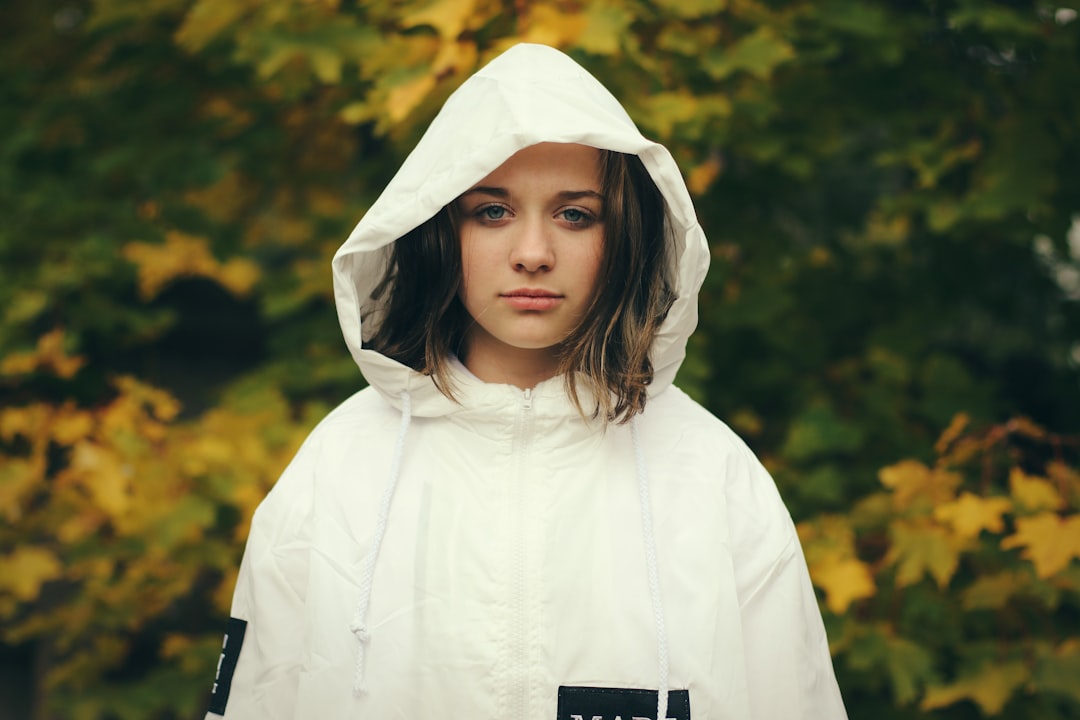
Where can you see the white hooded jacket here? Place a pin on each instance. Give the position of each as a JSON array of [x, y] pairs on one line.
[[499, 557]]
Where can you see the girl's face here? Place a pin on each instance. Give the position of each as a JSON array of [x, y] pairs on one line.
[[532, 235]]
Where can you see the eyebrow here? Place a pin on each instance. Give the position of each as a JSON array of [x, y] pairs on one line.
[[505, 194]]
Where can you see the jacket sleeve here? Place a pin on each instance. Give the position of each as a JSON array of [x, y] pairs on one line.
[[263, 650], [788, 666]]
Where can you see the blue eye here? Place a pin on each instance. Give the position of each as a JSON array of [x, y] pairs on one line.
[[492, 212], [578, 217]]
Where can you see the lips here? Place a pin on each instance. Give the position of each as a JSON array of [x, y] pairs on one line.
[[531, 299]]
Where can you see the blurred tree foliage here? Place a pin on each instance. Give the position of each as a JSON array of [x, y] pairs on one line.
[[892, 194]]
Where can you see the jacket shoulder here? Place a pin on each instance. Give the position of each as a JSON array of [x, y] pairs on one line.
[[761, 529], [361, 425], [674, 413]]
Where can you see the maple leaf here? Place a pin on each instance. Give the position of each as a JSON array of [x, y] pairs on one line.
[[30, 422], [970, 514], [844, 581], [879, 648], [911, 480], [829, 546], [70, 425], [1049, 541], [554, 26], [50, 354], [919, 548], [994, 591], [449, 18], [104, 473], [23, 572], [183, 255], [990, 687], [701, 177], [1033, 494], [18, 479]]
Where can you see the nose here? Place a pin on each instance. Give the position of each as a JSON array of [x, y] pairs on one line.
[[532, 249]]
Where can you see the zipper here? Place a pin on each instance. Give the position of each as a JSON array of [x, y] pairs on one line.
[[520, 652]]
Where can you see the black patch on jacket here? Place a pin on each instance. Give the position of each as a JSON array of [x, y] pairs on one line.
[[592, 703], [230, 654]]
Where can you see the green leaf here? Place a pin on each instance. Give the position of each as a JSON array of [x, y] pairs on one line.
[[820, 432], [758, 54], [1057, 669]]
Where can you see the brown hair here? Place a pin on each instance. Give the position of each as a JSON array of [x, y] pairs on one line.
[[608, 353]]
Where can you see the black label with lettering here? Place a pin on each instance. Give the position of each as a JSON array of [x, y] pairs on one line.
[[230, 654], [592, 703]]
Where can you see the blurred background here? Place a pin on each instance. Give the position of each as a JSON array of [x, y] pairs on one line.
[[892, 195]]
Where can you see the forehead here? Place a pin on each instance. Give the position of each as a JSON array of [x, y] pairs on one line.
[[562, 166]]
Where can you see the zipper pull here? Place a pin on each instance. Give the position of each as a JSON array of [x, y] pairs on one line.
[[527, 404]]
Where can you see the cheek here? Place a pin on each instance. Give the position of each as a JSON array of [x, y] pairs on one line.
[[591, 260]]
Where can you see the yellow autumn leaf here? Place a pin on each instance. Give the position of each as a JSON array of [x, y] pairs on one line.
[[327, 64], [553, 26], [207, 452], [606, 26], [104, 474], [18, 479], [224, 200], [455, 58], [403, 99], [829, 545], [238, 275], [911, 480], [919, 548], [1049, 541], [162, 405], [702, 176], [664, 110], [1033, 494], [970, 514], [174, 645], [183, 255], [70, 425], [77, 527], [449, 18], [207, 18], [826, 536], [844, 581], [30, 422], [50, 354], [356, 112], [989, 688], [24, 571]]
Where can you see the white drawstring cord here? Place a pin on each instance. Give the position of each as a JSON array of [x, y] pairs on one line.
[[654, 575], [359, 623]]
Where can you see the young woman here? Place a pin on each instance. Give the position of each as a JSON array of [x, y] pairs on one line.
[[521, 517]]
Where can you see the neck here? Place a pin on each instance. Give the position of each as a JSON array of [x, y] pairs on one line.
[[523, 368]]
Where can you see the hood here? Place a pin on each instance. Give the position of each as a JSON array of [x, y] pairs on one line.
[[528, 95]]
